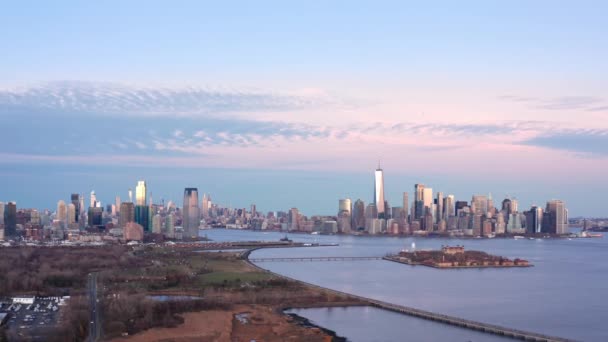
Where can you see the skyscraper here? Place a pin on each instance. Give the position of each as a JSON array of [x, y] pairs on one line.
[[448, 207], [76, 202], [479, 204], [379, 192], [117, 203], [558, 217], [439, 214], [71, 214], [427, 200], [140, 193], [10, 219], [62, 212], [358, 216], [344, 205], [205, 206], [127, 214], [191, 213], [418, 201], [1, 212], [93, 199], [406, 205], [293, 219]]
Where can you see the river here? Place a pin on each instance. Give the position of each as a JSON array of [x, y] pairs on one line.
[[564, 294]]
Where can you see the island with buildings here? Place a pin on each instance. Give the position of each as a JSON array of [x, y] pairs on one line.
[[455, 257]]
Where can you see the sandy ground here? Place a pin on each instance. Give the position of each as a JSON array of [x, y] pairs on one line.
[[262, 323]]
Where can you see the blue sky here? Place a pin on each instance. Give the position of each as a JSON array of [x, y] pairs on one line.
[[293, 103]]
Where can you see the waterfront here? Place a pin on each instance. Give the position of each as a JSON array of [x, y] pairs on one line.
[[563, 295]]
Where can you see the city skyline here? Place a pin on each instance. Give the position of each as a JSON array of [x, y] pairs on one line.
[[479, 96]]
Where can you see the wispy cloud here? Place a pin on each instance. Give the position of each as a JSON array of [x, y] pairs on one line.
[[588, 142], [109, 98], [559, 103]]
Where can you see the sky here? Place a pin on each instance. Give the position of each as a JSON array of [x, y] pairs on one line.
[[294, 104]]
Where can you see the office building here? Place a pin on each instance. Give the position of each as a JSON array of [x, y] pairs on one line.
[[75, 199], [71, 214], [141, 193], [62, 212], [358, 215], [379, 200], [205, 206], [557, 216], [127, 214], [191, 213], [10, 219]]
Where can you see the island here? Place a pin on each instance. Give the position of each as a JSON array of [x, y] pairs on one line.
[[454, 257]]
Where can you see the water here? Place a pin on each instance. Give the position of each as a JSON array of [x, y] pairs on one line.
[[165, 298], [355, 323], [563, 294]]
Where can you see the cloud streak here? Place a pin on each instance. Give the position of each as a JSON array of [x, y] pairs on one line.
[[109, 98]]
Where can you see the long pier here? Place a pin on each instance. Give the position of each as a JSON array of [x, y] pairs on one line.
[[446, 319], [338, 258]]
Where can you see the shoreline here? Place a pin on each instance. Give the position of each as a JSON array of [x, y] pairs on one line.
[[454, 267], [306, 323], [440, 318]]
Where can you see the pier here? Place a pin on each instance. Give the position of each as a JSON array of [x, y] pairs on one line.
[[338, 258]]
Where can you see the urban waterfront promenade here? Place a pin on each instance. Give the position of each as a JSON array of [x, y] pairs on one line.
[[446, 319]]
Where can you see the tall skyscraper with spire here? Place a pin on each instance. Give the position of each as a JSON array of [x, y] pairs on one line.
[[191, 213], [379, 192]]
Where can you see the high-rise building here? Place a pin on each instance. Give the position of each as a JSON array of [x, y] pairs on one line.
[[93, 199], [71, 214], [479, 204], [75, 198], [142, 217], [95, 216], [191, 213], [1, 212], [293, 219], [205, 206], [141, 193], [427, 200], [156, 224], [448, 207], [127, 214], [439, 214], [379, 192], [344, 205], [557, 217], [62, 211], [418, 211], [170, 225], [358, 216], [406, 205], [117, 204], [534, 220], [10, 219]]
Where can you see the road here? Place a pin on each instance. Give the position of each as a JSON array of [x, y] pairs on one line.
[[95, 323]]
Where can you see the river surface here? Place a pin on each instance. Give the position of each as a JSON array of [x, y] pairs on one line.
[[564, 294]]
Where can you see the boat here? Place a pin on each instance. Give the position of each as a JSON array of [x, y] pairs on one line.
[[314, 233], [518, 237]]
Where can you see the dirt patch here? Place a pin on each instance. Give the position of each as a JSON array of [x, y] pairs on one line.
[[260, 323]]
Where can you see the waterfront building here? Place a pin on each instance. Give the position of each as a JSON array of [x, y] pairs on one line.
[[127, 214], [500, 226], [534, 220], [344, 205], [358, 216], [371, 211], [293, 219], [191, 214], [514, 224], [428, 222], [329, 227], [557, 218], [379, 200]]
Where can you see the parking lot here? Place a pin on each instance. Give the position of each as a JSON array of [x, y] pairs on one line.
[[31, 317]]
